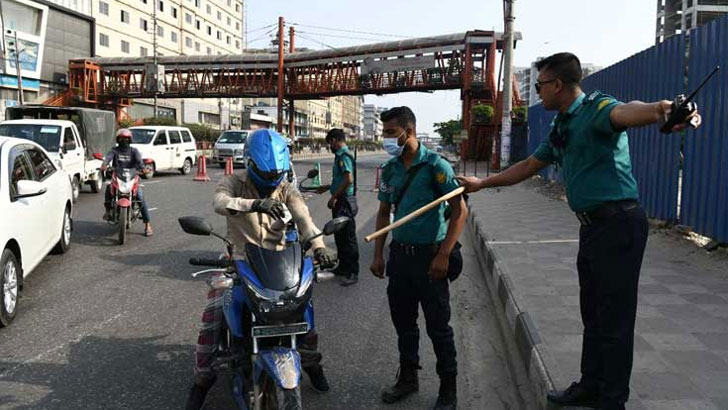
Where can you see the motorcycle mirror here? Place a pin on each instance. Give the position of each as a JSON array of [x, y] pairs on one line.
[[312, 173], [98, 156], [195, 225], [335, 225]]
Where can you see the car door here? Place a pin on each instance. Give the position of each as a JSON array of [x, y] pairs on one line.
[[28, 212], [56, 184], [160, 150], [176, 151], [189, 145], [73, 157]]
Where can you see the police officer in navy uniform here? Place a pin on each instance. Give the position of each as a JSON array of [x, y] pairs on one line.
[[419, 253], [588, 140]]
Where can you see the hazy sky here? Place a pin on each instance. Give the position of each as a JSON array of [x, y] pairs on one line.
[[598, 31]]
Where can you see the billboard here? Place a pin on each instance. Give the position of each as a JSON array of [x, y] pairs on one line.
[[23, 36]]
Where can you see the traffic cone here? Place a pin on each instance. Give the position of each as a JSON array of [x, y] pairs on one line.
[[317, 180], [376, 183], [202, 169], [229, 166]]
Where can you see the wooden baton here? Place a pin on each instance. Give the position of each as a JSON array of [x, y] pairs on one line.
[[415, 214]]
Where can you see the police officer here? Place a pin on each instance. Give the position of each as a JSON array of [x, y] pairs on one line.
[[343, 203], [588, 140], [418, 255]]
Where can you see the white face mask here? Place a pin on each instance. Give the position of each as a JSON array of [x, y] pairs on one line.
[[392, 147]]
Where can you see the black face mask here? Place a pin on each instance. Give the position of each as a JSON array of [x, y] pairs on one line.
[[124, 143]]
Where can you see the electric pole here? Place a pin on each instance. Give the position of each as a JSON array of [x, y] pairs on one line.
[[17, 68], [507, 86], [281, 84], [154, 51]]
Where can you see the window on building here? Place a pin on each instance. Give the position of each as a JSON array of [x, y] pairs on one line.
[[188, 18], [125, 16], [198, 25], [209, 30], [237, 25], [174, 12], [143, 51], [198, 3], [219, 35], [124, 47], [103, 40], [197, 46], [219, 16], [209, 51], [237, 7], [229, 40], [237, 44], [188, 42], [173, 36], [104, 8], [229, 21], [229, 3], [143, 24], [209, 9], [161, 5], [160, 31]]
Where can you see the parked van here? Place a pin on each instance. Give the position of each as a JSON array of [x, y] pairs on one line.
[[231, 143], [168, 148]]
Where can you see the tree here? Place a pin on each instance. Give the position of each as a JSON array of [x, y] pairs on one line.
[[448, 130]]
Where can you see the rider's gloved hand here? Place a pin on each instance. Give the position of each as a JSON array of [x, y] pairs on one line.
[[324, 256], [270, 206]]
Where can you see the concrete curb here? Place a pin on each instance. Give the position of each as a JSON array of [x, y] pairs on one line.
[[515, 322]]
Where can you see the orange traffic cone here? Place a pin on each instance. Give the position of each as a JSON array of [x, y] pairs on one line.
[[229, 166], [202, 169]]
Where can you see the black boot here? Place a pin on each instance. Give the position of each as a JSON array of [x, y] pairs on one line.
[[575, 395], [447, 399], [318, 378], [197, 394], [407, 383]]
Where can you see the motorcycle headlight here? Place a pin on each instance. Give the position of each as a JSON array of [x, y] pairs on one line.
[[125, 187]]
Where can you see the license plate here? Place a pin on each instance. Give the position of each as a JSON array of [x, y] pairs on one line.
[[280, 330]]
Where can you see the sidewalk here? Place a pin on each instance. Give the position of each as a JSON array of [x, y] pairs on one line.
[[528, 253]]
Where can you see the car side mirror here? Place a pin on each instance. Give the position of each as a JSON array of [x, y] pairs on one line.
[[28, 189], [195, 225], [312, 173], [335, 225]]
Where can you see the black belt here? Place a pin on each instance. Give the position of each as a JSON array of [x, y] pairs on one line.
[[415, 249], [606, 211]]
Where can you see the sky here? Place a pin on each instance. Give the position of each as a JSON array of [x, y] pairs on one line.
[[597, 31]]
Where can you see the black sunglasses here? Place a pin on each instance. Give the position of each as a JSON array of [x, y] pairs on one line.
[[537, 85]]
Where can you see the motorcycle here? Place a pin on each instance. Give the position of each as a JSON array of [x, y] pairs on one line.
[[266, 304], [125, 204]]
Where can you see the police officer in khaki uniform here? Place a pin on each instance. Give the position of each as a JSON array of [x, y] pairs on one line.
[[588, 140], [419, 254]]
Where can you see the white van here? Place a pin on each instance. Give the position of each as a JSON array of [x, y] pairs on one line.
[[168, 148], [230, 144]]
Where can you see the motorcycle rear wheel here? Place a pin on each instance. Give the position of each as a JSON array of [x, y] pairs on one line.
[[122, 224]]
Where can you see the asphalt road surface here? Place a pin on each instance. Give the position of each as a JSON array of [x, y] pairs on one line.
[[113, 327]]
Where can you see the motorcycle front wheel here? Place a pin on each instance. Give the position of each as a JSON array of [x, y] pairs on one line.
[[275, 397], [123, 212]]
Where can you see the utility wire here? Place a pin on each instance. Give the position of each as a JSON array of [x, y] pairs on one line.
[[316, 41], [339, 36], [268, 33], [262, 28], [350, 31]]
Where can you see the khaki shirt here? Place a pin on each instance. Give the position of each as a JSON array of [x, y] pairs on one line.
[[237, 193]]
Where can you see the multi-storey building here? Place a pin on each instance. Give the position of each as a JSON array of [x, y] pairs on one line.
[[372, 122], [679, 16]]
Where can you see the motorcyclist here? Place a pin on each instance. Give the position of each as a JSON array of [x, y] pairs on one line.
[[122, 156], [252, 200]]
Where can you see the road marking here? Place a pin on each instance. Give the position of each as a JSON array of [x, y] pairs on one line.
[[152, 209], [533, 242], [59, 347]]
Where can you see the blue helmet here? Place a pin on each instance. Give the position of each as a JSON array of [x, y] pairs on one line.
[[268, 158]]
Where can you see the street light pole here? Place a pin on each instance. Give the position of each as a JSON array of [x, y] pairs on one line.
[[17, 68], [508, 86], [154, 52]]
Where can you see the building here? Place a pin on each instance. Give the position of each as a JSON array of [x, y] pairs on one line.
[[181, 27], [680, 16], [527, 76], [372, 130], [49, 35]]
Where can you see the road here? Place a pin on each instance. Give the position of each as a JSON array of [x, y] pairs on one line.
[[113, 327]]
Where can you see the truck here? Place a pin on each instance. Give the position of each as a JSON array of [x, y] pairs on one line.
[[71, 136]]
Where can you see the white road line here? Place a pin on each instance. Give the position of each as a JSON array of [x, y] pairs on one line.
[[150, 183], [534, 242], [152, 209], [59, 347]]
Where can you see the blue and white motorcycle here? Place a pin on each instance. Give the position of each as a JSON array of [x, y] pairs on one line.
[[267, 303]]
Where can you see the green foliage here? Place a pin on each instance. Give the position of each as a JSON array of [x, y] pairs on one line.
[[520, 114], [126, 123], [160, 121], [203, 132], [483, 113], [448, 130]]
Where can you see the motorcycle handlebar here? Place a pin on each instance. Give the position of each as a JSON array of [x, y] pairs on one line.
[[217, 263]]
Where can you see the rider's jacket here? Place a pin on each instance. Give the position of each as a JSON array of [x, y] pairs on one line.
[[121, 158]]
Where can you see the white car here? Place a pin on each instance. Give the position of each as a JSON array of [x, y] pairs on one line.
[[165, 148], [35, 215], [230, 144]]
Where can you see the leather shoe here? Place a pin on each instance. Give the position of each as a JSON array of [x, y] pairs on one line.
[[574, 395]]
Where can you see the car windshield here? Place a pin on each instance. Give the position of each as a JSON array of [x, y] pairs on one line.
[[233, 137], [47, 136], [142, 135]]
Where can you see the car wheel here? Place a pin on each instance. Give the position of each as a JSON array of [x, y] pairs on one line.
[[96, 185], [65, 241], [9, 273], [149, 168], [186, 167], [75, 189]]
